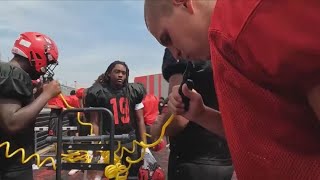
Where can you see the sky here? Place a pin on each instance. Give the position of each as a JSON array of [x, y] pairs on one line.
[[90, 35]]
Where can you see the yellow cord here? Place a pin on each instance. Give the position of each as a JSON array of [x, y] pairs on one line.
[[78, 115], [77, 155], [117, 170], [113, 171], [66, 157], [23, 155]]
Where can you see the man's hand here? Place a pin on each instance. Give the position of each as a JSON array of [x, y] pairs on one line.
[[14, 117], [176, 106], [52, 89], [38, 87]]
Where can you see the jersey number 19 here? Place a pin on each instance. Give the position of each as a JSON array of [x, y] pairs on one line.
[[120, 110]]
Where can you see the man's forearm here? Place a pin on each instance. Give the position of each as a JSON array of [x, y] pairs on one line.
[[176, 126], [26, 115], [142, 131], [157, 126], [211, 120]]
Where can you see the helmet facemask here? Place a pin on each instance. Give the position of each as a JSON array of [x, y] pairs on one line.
[[48, 71]]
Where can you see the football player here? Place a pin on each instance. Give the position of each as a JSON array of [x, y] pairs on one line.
[[124, 99], [35, 55]]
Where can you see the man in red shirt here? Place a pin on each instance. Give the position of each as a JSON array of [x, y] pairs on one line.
[[265, 56], [150, 110], [57, 105], [73, 99], [80, 93]]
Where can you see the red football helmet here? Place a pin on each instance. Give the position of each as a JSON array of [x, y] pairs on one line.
[[40, 50]]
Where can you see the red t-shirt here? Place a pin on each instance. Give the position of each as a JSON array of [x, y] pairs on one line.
[[56, 103], [80, 93], [266, 55], [73, 101], [150, 110]]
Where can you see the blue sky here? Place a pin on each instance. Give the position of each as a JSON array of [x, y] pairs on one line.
[[90, 35]]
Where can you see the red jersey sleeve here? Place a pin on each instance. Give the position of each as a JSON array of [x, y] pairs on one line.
[[284, 43]]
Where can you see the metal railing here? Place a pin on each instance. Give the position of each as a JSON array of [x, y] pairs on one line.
[[41, 129]]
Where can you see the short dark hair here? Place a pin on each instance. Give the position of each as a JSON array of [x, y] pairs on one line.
[[72, 92]]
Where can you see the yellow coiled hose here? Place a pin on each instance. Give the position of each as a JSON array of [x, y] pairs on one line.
[[23, 155], [36, 155], [117, 170]]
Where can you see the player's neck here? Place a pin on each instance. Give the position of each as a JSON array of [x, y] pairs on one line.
[[15, 63], [116, 87], [20, 63]]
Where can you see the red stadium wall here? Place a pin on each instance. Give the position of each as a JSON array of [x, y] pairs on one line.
[[154, 84]]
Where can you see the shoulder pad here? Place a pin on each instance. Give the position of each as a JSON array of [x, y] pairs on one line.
[[137, 92], [15, 83], [171, 66], [93, 96]]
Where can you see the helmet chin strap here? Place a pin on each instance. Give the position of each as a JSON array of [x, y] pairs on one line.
[[34, 75]]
